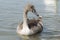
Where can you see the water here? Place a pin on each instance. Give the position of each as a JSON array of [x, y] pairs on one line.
[[11, 12]]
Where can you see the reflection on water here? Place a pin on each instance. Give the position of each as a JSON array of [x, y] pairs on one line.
[[11, 12], [33, 37]]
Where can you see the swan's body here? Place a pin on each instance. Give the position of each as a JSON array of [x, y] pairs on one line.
[[30, 26]]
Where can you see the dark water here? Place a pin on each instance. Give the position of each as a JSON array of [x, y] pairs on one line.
[[11, 12]]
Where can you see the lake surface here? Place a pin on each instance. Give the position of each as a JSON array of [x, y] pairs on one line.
[[11, 12]]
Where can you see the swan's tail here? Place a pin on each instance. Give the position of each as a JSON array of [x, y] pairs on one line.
[[40, 20]]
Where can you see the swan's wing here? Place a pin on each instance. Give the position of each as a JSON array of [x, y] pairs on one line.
[[35, 25]]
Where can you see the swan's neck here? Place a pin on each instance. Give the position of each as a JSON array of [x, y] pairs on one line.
[[25, 23], [25, 17]]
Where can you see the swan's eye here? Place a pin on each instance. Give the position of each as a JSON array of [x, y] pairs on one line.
[[32, 7]]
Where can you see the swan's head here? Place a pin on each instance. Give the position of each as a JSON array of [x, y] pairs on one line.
[[31, 8]]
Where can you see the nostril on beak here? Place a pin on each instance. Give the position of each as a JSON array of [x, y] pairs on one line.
[[37, 15]]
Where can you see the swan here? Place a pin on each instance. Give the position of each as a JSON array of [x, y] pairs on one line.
[[30, 26]]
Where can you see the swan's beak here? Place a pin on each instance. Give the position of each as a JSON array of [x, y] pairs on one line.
[[34, 11]]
